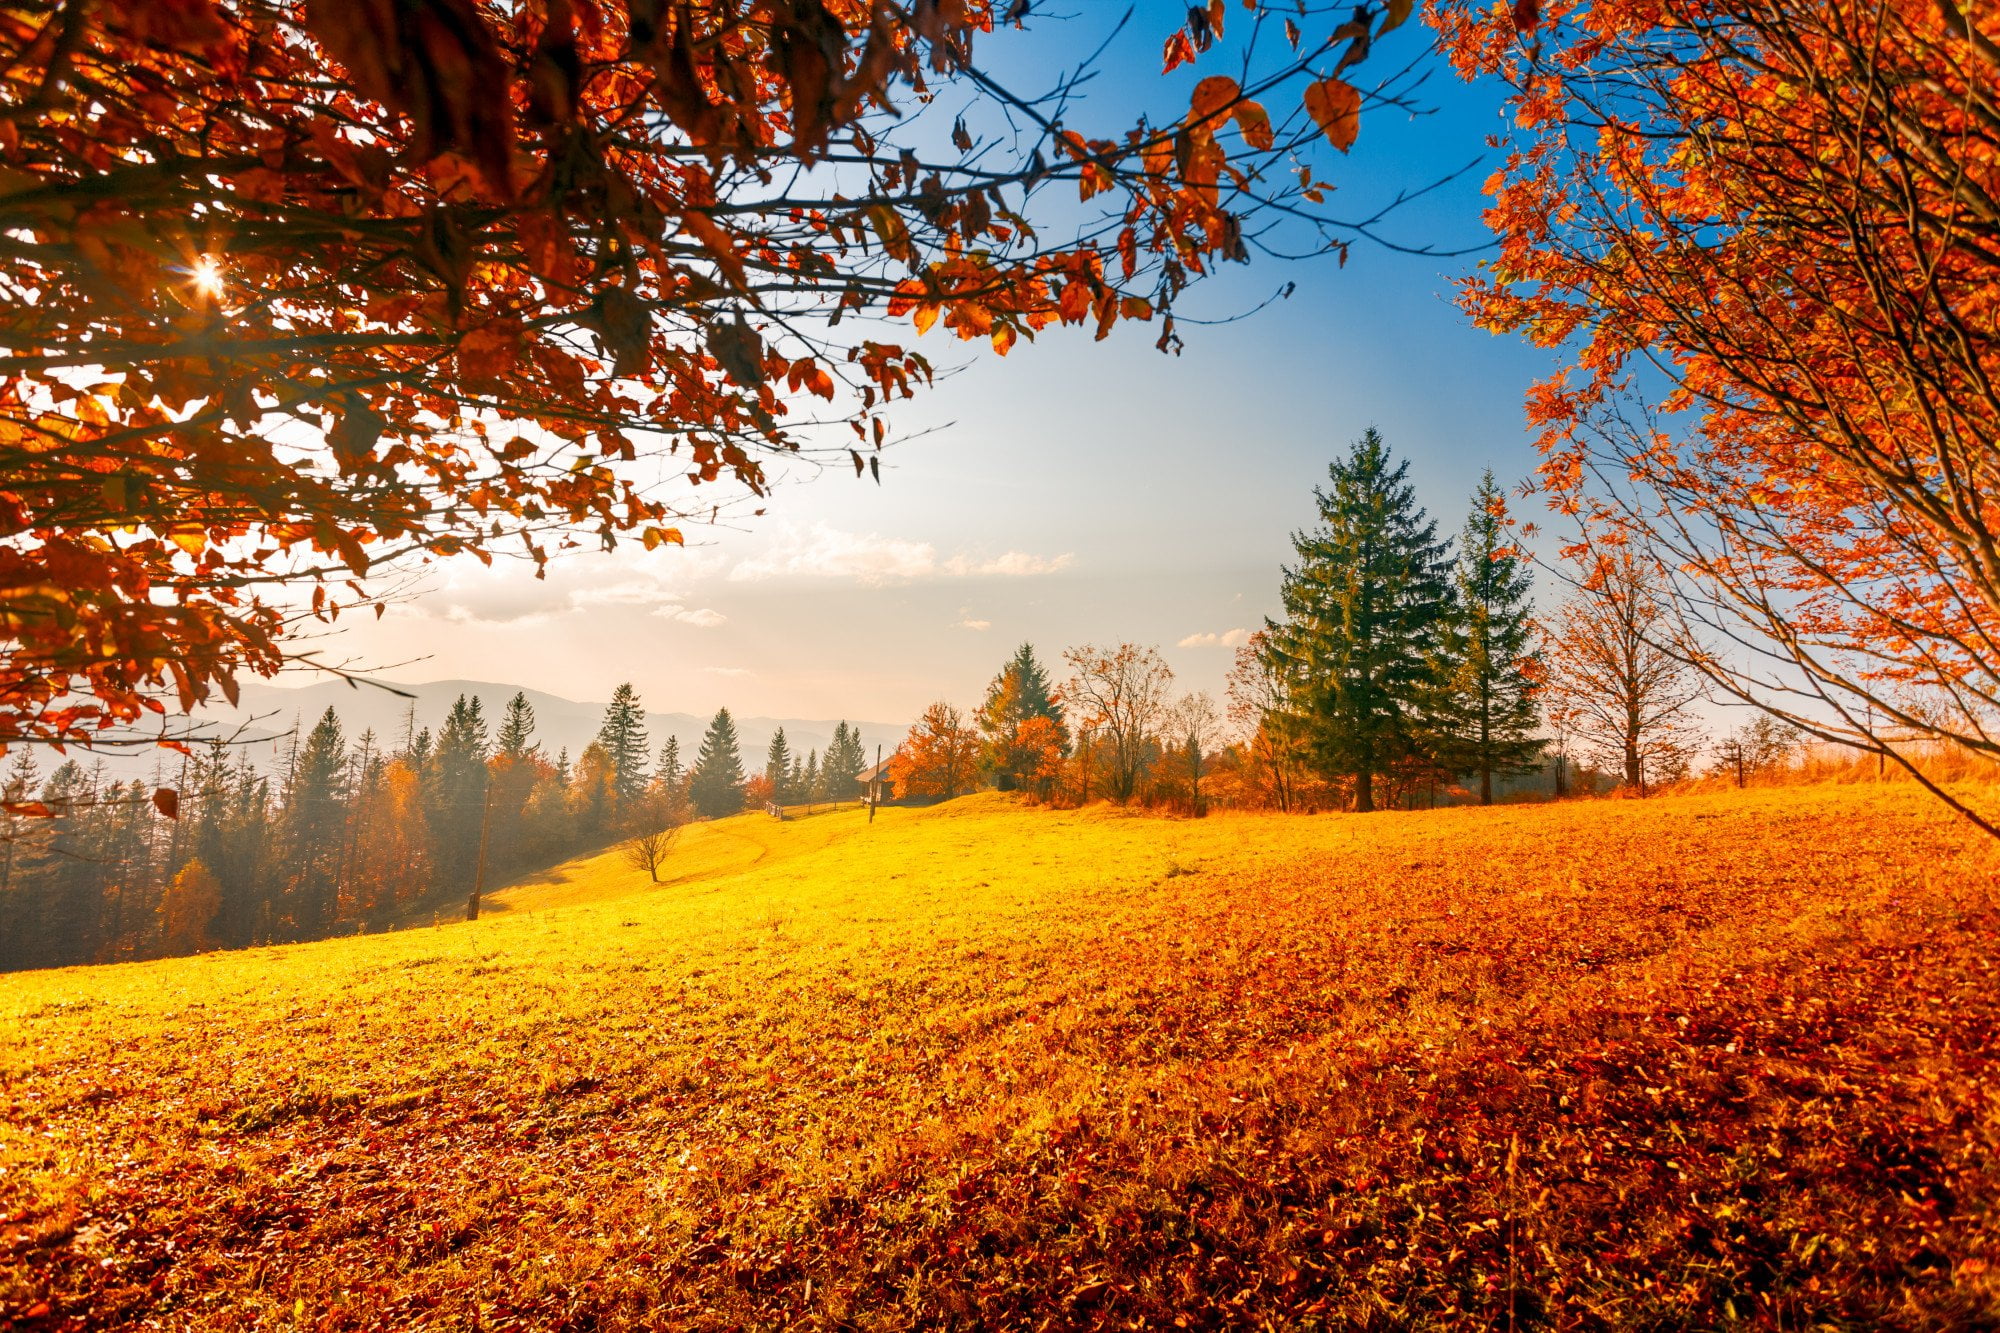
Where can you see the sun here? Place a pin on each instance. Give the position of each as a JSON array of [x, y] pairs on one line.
[[207, 276]]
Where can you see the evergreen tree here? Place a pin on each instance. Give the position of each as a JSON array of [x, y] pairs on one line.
[[810, 788], [623, 737], [670, 774], [1365, 613], [516, 741], [517, 766], [316, 827], [1021, 691], [841, 769], [778, 768], [716, 785], [457, 791], [1490, 701]]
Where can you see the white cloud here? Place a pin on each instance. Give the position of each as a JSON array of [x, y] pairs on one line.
[[1227, 639], [822, 552], [462, 591], [1013, 564], [975, 624], [819, 551], [701, 617]]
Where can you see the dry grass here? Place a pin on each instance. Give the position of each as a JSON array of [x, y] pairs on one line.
[[1721, 1059]]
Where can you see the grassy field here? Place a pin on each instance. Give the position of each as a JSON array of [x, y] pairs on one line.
[[1697, 1062]]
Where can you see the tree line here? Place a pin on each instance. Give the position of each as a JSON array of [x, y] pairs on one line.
[[1404, 669], [350, 833]]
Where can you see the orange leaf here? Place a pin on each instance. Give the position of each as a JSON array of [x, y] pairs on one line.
[[1212, 96], [1255, 124], [1336, 108]]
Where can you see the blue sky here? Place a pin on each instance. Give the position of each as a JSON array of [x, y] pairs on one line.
[[1074, 491]]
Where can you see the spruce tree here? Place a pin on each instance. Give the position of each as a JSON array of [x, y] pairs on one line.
[[1490, 702], [1364, 618], [778, 768], [458, 792], [841, 769], [670, 774], [315, 827], [716, 785], [623, 737], [809, 781], [516, 741]]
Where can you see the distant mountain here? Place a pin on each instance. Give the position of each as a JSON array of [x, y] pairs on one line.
[[269, 712]]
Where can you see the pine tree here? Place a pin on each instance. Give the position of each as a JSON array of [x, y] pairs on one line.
[[1021, 691], [457, 791], [778, 768], [809, 781], [670, 774], [623, 737], [316, 826], [1365, 611], [1490, 701], [841, 769], [716, 785], [516, 741]]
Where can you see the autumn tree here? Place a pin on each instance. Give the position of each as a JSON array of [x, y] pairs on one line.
[[1190, 736], [1488, 701], [1784, 214], [1365, 611], [1038, 750], [1275, 760], [938, 758], [1612, 686], [715, 784], [299, 291], [1120, 696], [659, 818], [188, 910], [1021, 691], [1758, 746]]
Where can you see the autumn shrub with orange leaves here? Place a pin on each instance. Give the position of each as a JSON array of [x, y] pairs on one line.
[[1708, 1061]]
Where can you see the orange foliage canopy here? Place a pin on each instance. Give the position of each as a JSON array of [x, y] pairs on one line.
[[1783, 221], [940, 756], [293, 290]]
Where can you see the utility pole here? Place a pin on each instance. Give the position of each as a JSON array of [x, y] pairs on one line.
[[479, 867], [875, 786]]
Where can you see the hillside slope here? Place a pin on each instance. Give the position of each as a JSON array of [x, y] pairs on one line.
[[1680, 1063]]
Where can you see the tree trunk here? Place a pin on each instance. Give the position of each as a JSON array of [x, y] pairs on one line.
[[1486, 786], [1364, 792]]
